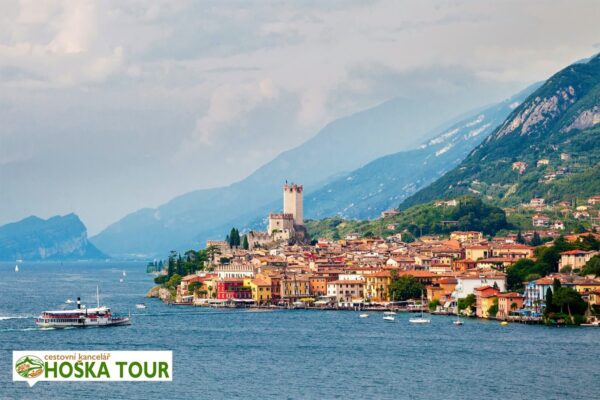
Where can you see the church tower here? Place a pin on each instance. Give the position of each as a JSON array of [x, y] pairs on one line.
[[292, 202]]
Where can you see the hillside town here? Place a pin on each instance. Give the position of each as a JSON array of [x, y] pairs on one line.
[[284, 268]]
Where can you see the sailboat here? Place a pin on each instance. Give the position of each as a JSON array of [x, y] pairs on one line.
[[457, 321], [124, 273], [421, 319], [16, 268]]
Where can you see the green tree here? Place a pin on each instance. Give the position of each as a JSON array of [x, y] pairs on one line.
[[592, 267], [212, 251], [567, 269], [433, 304], [549, 301], [520, 238], [194, 286], [467, 302], [245, 244], [566, 297], [404, 287], [173, 281], [493, 310], [536, 240]]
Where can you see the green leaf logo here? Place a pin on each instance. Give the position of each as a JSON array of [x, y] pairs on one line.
[[29, 367]]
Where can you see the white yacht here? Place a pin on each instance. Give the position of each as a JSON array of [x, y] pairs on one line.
[[389, 316], [421, 319]]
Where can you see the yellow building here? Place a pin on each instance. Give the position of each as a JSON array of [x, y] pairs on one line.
[[476, 252], [295, 287], [587, 285], [260, 288], [377, 286], [466, 236]]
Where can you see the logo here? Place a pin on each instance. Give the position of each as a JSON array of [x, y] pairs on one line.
[[29, 367], [92, 366]]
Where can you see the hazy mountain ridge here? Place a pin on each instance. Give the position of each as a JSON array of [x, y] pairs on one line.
[[57, 238], [386, 181], [554, 134], [188, 220]]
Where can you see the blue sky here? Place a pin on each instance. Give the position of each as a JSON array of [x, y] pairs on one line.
[[111, 106]]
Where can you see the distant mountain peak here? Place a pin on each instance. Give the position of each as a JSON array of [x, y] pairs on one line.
[[55, 238]]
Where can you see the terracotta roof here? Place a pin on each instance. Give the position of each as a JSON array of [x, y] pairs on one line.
[[574, 252], [510, 295]]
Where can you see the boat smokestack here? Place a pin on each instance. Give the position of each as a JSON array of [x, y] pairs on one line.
[[79, 303]]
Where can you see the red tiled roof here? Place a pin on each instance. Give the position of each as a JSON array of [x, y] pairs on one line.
[[509, 295], [573, 252]]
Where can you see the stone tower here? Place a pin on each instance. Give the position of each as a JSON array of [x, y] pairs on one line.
[[292, 202]]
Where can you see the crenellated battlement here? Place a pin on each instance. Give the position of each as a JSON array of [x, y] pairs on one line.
[[291, 188], [281, 216]]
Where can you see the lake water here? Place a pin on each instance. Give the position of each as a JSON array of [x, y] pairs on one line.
[[228, 354]]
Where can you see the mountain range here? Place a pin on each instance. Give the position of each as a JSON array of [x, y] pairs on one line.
[[342, 146], [57, 238], [386, 181], [548, 147]]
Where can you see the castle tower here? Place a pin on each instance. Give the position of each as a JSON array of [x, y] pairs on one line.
[[292, 202]]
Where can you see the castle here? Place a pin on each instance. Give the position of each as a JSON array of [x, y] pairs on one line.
[[286, 226]]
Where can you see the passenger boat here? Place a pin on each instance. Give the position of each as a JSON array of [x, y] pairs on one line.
[[81, 317]]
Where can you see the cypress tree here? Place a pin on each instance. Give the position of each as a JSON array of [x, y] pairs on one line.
[[245, 244], [549, 300]]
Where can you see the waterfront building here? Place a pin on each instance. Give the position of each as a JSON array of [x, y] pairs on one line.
[[233, 289], [318, 285], [377, 286], [507, 303], [260, 288], [346, 292], [485, 297], [468, 282], [294, 287]]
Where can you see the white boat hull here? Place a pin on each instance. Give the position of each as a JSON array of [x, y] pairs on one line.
[[419, 321]]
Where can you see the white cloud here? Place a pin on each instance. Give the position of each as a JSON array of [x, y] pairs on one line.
[[211, 81]]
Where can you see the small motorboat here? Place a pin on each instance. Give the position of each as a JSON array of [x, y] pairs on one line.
[[389, 316], [140, 306], [68, 301], [592, 322], [364, 315], [121, 280], [419, 320], [458, 322], [124, 273], [16, 268]]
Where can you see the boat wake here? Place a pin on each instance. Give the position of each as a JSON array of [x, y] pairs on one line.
[[9, 317]]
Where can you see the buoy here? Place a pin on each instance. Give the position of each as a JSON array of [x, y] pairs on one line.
[[503, 323]]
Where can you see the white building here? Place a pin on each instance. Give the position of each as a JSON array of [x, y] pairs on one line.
[[235, 270], [466, 284], [346, 292]]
